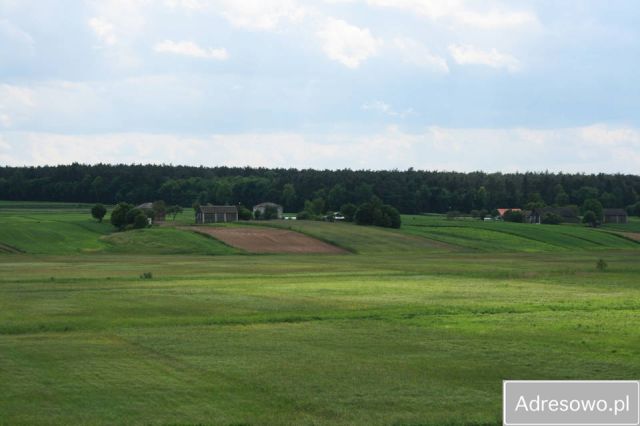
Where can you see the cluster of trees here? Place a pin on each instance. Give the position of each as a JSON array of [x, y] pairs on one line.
[[591, 210], [125, 216], [410, 191], [373, 212], [376, 213]]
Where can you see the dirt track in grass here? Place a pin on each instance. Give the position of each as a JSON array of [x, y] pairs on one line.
[[268, 240]]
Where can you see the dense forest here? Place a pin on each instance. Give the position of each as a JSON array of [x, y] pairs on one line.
[[410, 191]]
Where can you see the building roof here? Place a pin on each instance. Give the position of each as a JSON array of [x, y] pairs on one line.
[[268, 204], [218, 209], [614, 212], [501, 212], [145, 206]]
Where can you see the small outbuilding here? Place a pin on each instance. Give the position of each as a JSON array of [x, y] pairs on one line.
[[614, 216], [262, 208], [215, 214]]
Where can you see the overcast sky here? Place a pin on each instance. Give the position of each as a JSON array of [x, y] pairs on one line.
[[367, 84]]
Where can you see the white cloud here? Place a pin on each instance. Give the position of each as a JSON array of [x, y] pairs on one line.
[[14, 33], [346, 43], [412, 52], [261, 14], [462, 13], [186, 4], [579, 149], [470, 55], [20, 95], [189, 48], [16, 103], [258, 15], [104, 30], [385, 108]]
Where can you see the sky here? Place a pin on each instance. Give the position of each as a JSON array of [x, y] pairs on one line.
[[363, 84]]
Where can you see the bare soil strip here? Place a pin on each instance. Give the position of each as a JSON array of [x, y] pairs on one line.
[[268, 240], [632, 235]]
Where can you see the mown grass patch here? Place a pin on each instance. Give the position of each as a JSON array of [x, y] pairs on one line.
[[371, 339]]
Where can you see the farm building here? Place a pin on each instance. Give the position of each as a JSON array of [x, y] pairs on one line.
[[158, 216], [568, 214], [214, 214], [501, 212], [262, 207], [614, 216]]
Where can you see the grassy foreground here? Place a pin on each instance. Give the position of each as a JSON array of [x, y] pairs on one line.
[[407, 330], [303, 340]]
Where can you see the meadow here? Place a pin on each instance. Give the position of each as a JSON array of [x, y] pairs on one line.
[[412, 326]]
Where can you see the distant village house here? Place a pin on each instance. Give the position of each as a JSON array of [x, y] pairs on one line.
[[614, 216], [215, 214]]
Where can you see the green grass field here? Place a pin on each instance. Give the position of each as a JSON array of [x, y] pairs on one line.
[[416, 326]]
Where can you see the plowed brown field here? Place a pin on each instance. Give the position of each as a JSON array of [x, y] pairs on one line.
[[268, 240]]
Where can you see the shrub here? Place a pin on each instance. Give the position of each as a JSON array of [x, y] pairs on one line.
[[551, 219], [348, 211], [592, 205], [98, 211], [140, 221], [364, 214], [479, 214], [304, 215], [119, 215], [146, 275], [634, 209], [130, 217], [244, 213], [393, 214], [601, 265], [159, 208], [513, 216], [270, 212], [590, 219], [452, 214], [378, 214]]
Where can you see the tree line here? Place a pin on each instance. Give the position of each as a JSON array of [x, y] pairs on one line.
[[409, 191]]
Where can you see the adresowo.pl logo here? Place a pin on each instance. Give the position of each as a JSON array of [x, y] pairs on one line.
[[571, 402]]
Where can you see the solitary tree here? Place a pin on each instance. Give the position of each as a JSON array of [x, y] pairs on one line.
[[98, 211], [594, 206], [288, 195], [590, 219], [270, 212], [348, 211], [119, 215], [174, 211], [159, 207]]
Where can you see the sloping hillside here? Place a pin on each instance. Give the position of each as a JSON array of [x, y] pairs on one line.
[[506, 236]]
